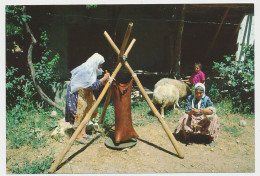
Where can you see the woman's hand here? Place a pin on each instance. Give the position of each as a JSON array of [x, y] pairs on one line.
[[193, 111], [105, 78], [206, 111], [203, 111], [184, 80]]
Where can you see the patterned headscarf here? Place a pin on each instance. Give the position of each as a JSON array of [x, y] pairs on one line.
[[198, 86]]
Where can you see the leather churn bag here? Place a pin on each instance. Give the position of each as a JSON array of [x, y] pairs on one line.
[[122, 102]]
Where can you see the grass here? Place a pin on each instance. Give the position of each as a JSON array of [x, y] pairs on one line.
[[26, 166], [142, 115], [109, 119], [140, 112], [229, 122], [236, 131], [31, 129]]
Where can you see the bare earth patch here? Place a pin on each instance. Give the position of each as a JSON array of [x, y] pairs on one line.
[[154, 153]]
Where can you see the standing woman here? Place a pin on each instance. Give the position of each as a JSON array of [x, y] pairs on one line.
[[80, 97]]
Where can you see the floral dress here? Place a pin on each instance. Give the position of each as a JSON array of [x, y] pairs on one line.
[[79, 103], [199, 124]]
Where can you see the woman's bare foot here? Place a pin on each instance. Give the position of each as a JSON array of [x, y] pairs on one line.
[[82, 134], [84, 140]]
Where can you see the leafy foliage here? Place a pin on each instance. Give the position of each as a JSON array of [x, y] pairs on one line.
[[20, 90], [91, 6], [215, 90], [46, 71], [224, 107], [240, 76], [26, 121], [14, 25]]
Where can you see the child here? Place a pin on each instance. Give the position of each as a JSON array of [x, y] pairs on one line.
[[197, 77]]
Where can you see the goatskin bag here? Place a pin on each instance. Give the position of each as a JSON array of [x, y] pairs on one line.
[[122, 102]]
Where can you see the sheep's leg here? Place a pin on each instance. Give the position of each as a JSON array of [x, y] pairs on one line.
[[177, 104], [162, 111], [175, 107]]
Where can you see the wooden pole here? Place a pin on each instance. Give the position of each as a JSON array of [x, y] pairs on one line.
[[118, 61], [218, 30], [243, 40], [177, 49], [130, 47], [155, 111], [110, 41], [106, 104], [92, 109], [249, 30], [238, 26], [109, 91], [107, 101], [127, 34], [150, 103], [82, 124]]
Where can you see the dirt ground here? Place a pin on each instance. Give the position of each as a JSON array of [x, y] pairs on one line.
[[154, 153]]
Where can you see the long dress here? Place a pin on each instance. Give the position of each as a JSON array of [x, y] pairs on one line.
[[79, 103], [199, 124]]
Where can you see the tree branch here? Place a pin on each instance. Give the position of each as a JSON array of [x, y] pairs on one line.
[[29, 60]]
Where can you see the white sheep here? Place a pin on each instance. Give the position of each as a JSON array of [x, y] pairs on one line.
[[165, 96], [184, 89], [167, 92]]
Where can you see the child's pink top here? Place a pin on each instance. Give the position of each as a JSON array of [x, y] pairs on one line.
[[198, 77]]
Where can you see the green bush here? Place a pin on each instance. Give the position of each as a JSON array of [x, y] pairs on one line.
[[20, 90], [26, 119], [240, 76], [213, 90], [14, 25]]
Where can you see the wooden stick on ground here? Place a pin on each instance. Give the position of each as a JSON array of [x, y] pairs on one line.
[[91, 111]]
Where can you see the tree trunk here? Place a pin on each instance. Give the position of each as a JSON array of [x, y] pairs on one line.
[[29, 59]]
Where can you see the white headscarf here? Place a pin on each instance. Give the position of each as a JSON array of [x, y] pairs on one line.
[[86, 74], [198, 85]]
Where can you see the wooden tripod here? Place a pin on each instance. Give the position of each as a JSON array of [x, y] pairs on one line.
[[122, 60]]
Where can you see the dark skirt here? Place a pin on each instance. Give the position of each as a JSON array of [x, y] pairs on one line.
[[71, 105]]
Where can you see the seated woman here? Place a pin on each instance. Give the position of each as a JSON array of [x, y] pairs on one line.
[[200, 115]]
